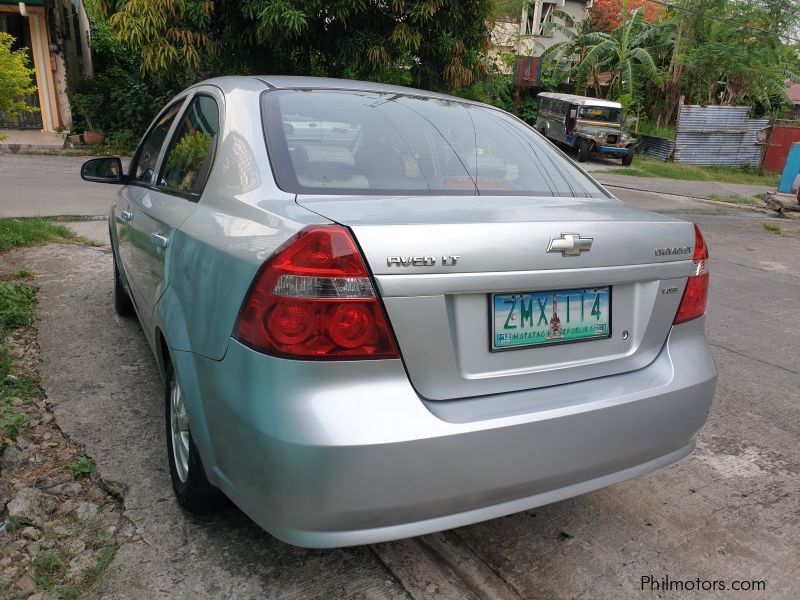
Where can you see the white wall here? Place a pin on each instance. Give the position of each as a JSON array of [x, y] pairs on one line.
[[511, 37]]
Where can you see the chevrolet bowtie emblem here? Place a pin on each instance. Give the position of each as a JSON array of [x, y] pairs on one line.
[[570, 244]]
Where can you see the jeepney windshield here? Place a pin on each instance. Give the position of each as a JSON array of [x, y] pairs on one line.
[[598, 113]]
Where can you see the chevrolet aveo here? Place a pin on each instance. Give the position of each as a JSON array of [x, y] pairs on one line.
[[381, 312]]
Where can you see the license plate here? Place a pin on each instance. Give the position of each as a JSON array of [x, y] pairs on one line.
[[550, 317]]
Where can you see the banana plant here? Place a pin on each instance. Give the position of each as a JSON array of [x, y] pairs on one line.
[[564, 57], [624, 54]]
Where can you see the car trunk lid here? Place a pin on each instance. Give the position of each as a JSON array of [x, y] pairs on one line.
[[437, 261]]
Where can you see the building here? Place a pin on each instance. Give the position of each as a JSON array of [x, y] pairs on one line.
[[56, 33], [793, 91], [531, 33]]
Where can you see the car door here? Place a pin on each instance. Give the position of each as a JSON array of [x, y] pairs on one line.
[[135, 195], [571, 120], [183, 167]]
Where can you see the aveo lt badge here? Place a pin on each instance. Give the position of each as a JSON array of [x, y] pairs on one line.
[[420, 261]]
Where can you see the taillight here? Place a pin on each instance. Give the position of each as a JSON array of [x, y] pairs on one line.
[[693, 303], [314, 299]]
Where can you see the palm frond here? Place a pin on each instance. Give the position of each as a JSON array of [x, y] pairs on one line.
[[556, 52], [636, 19], [648, 66], [594, 37], [567, 31], [630, 80], [568, 19], [791, 75], [598, 53]]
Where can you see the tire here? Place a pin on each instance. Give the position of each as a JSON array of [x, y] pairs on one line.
[[583, 151], [122, 301], [192, 489], [628, 158]]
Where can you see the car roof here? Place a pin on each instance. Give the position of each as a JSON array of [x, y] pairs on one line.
[[580, 100], [260, 82]]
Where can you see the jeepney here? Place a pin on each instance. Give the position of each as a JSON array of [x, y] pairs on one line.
[[586, 124]]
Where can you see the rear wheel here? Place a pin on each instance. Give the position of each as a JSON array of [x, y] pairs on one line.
[[583, 151], [628, 158], [192, 488]]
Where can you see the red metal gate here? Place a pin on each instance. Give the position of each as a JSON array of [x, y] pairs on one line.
[[780, 142]]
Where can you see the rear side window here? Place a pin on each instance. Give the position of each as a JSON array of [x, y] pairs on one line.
[[337, 142], [188, 160]]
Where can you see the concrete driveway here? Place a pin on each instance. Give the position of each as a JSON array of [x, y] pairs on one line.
[[727, 512], [43, 185]]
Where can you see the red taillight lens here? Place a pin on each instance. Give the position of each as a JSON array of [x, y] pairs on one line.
[[693, 303], [314, 299]]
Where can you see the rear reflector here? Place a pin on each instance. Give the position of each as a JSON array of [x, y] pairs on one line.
[[693, 303], [314, 299]]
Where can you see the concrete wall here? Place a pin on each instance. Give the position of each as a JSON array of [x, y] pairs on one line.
[[513, 37]]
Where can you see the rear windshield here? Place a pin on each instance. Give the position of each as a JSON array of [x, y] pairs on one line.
[[354, 142]]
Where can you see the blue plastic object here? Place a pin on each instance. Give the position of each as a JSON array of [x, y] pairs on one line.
[[791, 170]]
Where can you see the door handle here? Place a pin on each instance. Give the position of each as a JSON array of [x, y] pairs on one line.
[[159, 240], [127, 215]]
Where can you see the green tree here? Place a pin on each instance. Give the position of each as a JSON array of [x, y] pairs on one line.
[[16, 78], [171, 36], [441, 42], [624, 54], [732, 62], [563, 59]]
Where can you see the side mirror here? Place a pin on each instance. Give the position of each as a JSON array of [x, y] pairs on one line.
[[103, 170]]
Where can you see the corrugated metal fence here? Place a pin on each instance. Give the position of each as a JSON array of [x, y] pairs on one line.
[[719, 135], [655, 147]]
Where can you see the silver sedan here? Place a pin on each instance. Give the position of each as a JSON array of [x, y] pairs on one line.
[[381, 312]]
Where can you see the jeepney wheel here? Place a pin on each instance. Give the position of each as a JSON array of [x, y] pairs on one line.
[[628, 158], [583, 151]]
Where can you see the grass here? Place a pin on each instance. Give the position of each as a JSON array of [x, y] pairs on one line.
[[13, 523], [647, 167], [755, 200], [17, 304], [83, 467], [77, 590], [772, 228], [646, 127], [12, 423], [32, 232], [49, 568]]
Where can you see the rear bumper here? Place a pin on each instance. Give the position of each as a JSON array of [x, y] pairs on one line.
[[336, 454]]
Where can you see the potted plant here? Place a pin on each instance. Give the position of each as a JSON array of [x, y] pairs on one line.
[[88, 105]]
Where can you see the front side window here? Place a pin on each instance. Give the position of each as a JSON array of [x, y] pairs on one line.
[[145, 162], [335, 142], [188, 160]]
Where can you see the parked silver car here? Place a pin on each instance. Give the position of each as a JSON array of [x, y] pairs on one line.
[[381, 312]]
